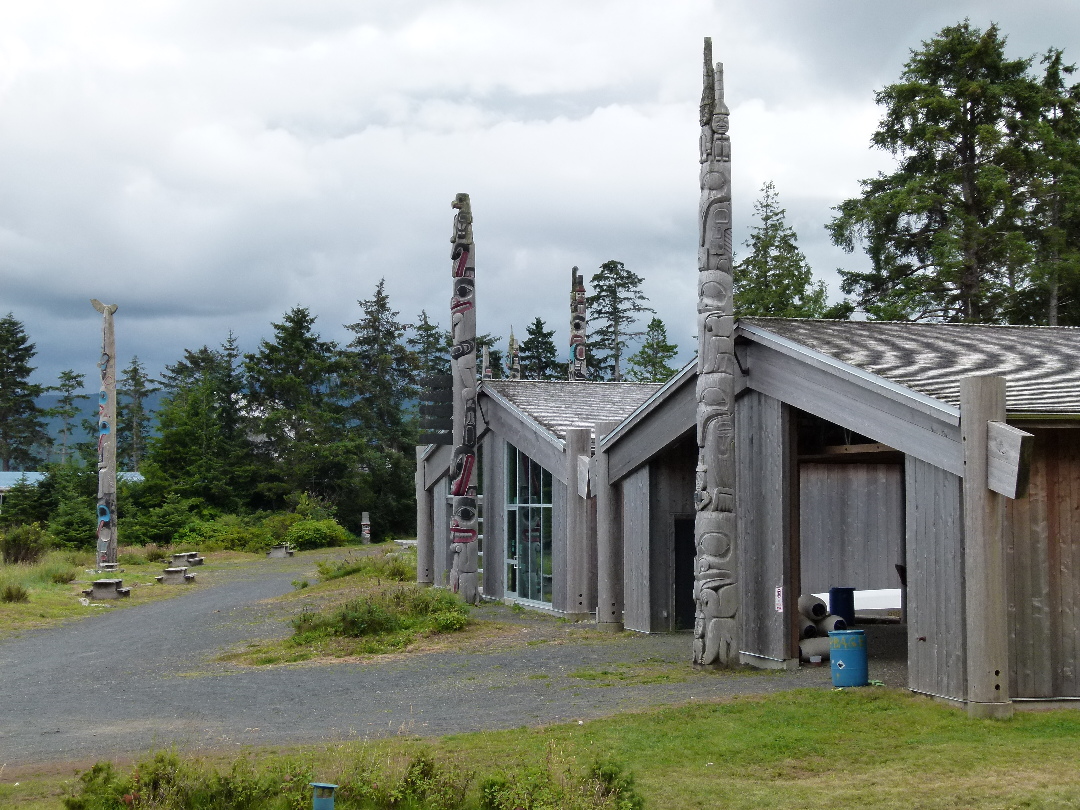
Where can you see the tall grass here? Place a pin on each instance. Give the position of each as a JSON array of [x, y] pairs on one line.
[[367, 780], [392, 566], [385, 619], [54, 568]]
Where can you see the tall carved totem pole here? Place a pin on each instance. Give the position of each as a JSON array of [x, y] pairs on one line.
[[578, 322], [106, 446], [515, 357], [463, 521], [716, 590]]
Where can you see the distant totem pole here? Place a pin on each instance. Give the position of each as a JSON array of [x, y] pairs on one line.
[[106, 446], [515, 357], [578, 322], [716, 591], [463, 521], [485, 366]]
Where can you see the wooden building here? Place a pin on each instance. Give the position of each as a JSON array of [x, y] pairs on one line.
[[850, 440]]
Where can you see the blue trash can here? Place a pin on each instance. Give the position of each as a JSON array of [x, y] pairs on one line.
[[323, 798], [847, 652], [842, 604]]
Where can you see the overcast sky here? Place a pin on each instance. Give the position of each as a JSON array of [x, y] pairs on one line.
[[209, 164]]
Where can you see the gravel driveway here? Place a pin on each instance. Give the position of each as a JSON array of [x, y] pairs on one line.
[[125, 681]]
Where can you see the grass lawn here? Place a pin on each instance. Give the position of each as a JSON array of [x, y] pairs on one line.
[[852, 748]]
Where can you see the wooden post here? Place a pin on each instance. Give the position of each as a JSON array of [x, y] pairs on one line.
[[982, 399], [107, 539], [578, 599], [609, 598], [425, 529]]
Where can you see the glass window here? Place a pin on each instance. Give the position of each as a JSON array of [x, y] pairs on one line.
[[528, 528]]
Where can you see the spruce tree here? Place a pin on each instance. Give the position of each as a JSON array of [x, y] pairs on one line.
[[67, 409], [944, 230], [22, 429], [616, 302], [775, 280], [651, 362], [538, 356], [431, 345], [133, 418]]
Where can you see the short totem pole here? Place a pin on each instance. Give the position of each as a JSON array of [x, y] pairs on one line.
[[463, 521], [578, 322], [106, 446], [716, 590]]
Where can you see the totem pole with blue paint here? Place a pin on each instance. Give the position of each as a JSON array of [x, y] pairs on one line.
[[106, 445]]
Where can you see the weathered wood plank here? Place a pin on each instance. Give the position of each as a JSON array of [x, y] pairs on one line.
[[580, 588], [526, 436], [437, 465], [982, 400], [494, 463], [1008, 459], [876, 416], [672, 418], [425, 530], [609, 604], [767, 485], [635, 532]]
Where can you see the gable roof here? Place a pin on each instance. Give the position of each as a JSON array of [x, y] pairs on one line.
[[559, 405], [1041, 364]]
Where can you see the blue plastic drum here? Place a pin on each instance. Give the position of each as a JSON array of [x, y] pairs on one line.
[[847, 652]]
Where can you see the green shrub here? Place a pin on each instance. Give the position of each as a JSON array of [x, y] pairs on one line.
[[308, 534], [160, 524], [155, 553], [394, 567], [14, 592], [393, 618], [25, 543], [228, 532], [58, 572]]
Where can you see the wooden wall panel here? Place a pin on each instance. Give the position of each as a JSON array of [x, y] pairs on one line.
[[671, 494], [442, 535], [494, 516], [636, 556], [851, 525], [1043, 568], [767, 525], [558, 544], [935, 573]]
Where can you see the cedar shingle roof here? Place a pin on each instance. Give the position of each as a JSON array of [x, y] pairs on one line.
[[1041, 364], [559, 405]]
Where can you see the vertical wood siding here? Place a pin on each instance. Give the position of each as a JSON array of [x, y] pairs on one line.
[[935, 575], [636, 558], [442, 535], [494, 517], [671, 494], [766, 524], [851, 525], [1043, 569], [558, 543]]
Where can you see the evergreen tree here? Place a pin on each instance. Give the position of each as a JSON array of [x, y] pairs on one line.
[[202, 449], [133, 419], [294, 389], [431, 345], [615, 305], [775, 280], [538, 356], [383, 375], [650, 363], [22, 429], [944, 230], [1053, 154], [67, 409]]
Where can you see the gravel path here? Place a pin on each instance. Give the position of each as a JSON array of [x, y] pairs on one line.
[[126, 681]]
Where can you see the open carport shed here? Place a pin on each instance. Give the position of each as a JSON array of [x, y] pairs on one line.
[[993, 611]]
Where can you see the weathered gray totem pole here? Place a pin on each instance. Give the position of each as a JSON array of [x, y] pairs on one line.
[[106, 446], [716, 590], [578, 322], [463, 521], [485, 366], [515, 357]]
